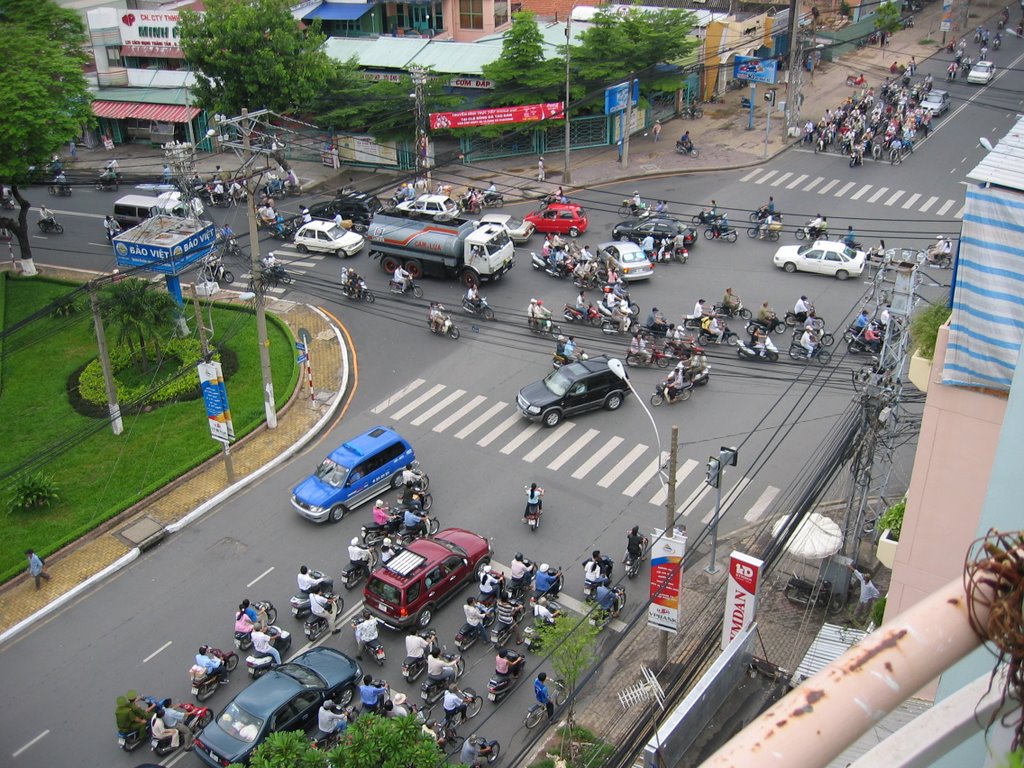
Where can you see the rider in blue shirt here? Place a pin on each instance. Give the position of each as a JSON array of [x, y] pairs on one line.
[[413, 518], [540, 691], [850, 237], [371, 695], [547, 580]]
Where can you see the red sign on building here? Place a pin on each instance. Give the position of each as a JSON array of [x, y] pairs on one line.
[[526, 113]]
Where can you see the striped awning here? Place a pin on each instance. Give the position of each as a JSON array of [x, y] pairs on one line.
[[159, 113]]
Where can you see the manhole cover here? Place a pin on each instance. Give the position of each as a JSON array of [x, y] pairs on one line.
[[142, 529], [650, 168]]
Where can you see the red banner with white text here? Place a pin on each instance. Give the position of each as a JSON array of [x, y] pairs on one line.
[[526, 113]]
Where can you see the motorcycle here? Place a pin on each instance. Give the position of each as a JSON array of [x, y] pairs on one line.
[[406, 535], [258, 665], [705, 217], [560, 270], [519, 588], [482, 309], [600, 618], [721, 232], [543, 327], [7, 202], [859, 344], [729, 337], [60, 190], [277, 188], [403, 288], [275, 276], [655, 356], [590, 587], [432, 690], [855, 81], [732, 310], [822, 595], [447, 328], [243, 640], [703, 376], [109, 183], [469, 203], [820, 355], [629, 208], [373, 534], [661, 394], [770, 354], [213, 270], [553, 590], [776, 325], [50, 225], [501, 685], [205, 685], [467, 636], [501, 634], [493, 200], [686, 149], [574, 315], [937, 257], [856, 158], [195, 719], [354, 572], [558, 360], [300, 600], [315, 627], [808, 232], [358, 293], [413, 667], [773, 232], [374, 647], [633, 563]]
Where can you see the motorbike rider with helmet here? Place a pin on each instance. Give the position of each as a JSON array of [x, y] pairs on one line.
[[546, 581], [387, 550], [634, 544], [491, 584], [676, 380], [801, 309], [358, 555]]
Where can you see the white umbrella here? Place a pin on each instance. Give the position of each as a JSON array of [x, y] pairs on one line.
[[817, 537]]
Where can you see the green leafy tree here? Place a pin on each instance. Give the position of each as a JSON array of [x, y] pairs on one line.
[[44, 99], [521, 74], [887, 19], [253, 54], [139, 313], [290, 749], [572, 642]]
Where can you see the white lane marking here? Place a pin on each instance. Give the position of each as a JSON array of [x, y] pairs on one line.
[[928, 204], [845, 188], [407, 409], [302, 263], [694, 498], [471, 405], [622, 466], [493, 435], [436, 407], [959, 214], [911, 200], [824, 190], [573, 449], [765, 178], [163, 647], [796, 181], [752, 174], [249, 585], [681, 474], [895, 196], [860, 192], [547, 442], [763, 502], [101, 245], [474, 425], [733, 495], [74, 213], [597, 457], [521, 438], [642, 479], [881, 191], [381, 407], [814, 183], [945, 207], [782, 178], [37, 738]]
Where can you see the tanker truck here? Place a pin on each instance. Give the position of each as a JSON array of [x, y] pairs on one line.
[[469, 250]]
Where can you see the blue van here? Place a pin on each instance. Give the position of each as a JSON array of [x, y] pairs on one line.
[[354, 473]]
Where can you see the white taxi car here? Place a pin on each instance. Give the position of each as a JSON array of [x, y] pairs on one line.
[[328, 237], [823, 257]]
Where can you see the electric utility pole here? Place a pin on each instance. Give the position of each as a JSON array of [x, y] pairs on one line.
[[419, 80], [795, 63]]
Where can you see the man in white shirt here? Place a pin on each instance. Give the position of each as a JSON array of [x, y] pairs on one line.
[[359, 556], [306, 580], [475, 617], [402, 277], [263, 644], [366, 631], [324, 607], [541, 612], [868, 594], [801, 309], [416, 646]]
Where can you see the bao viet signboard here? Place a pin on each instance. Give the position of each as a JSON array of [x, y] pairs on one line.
[[526, 113], [755, 70], [165, 244]]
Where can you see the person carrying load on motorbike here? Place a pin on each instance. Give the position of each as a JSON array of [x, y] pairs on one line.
[[435, 315], [542, 315], [211, 664]]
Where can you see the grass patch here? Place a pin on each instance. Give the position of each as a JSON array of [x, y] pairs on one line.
[[101, 475], [926, 41], [579, 749]]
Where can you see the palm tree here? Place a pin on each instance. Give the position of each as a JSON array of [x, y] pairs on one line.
[[138, 313]]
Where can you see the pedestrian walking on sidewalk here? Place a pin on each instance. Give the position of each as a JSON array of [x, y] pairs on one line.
[[657, 129], [540, 169], [35, 567]]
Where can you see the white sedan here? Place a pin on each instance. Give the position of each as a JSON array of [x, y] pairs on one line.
[[982, 73], [327, 237], [823, 257], [519, 231]]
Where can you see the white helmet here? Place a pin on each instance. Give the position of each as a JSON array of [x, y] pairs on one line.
[[355, 541], [387, 542], [380, 502], [487, 569], [543, 567]]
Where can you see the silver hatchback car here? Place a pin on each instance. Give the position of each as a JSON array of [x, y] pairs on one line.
[[628, 259]]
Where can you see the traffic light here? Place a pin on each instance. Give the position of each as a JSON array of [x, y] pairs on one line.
[[769, 96], [713, 477]]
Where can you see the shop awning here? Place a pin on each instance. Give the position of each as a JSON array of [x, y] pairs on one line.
[[160, 113], [339, 12]]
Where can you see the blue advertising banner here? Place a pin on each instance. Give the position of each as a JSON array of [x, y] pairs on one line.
[[169, 252], [755, 70], [215, 398], [615, 97]]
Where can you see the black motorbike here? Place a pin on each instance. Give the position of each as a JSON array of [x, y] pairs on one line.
[[275, 276], [719, 231], [316, 627], [774, 326], [493, 200], [50, 225], [412, 668], [482, 309], [501, 685], [358, 292], [820, 594], [355, 572], [431, 690], [107, 183], [467, 636], [300, 600], [705, 217], [60, 190], [661, 394]]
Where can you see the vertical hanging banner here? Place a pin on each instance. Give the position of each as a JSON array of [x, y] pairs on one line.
[[215, 397], [741, 595], [666, 581]]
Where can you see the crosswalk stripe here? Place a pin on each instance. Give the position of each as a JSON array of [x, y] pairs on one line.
[[418, 401], [474, 425], [763, 502], [959, 214], [824, 190], [782, 178], [752, 174], [681, 473], [881, 191], [642, 479], [860, 192], [307, 264], [796, 181], [444, 403], [895, 196], [694, 498], [471, 405], [410, 387], [733, 495], [765, 178], [276, 289], [622, 466], [945, 207], [495, 433], [521, 438], [928, 204], [573, 449], [814, 183], [911, 200], [845, 188], [597, 457], [547, 442]]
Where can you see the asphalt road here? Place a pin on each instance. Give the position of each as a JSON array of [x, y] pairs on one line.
[[141, 628]]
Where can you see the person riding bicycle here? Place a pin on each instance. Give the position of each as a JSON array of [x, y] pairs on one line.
[[540, 692], [453, 704]]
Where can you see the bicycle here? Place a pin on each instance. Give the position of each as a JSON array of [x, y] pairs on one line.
[[895, 156], [537, 712]]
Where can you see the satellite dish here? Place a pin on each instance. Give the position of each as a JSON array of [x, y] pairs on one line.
[[985, 143]]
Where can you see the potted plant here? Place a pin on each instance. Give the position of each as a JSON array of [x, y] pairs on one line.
[[924, 330], [891, 523]]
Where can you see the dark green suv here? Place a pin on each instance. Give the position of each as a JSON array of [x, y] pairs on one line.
[[582, 386]]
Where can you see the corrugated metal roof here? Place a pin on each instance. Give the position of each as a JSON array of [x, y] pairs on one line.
[[831, 643], [1004, 165], [456, 58], [145, 95], [886, 727], [386, 52], [161, 113], [338, 11]]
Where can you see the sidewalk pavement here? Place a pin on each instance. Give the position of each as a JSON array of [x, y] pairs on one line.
[[117, 542]]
